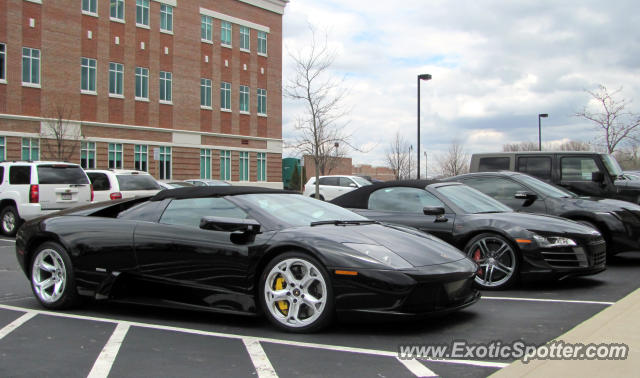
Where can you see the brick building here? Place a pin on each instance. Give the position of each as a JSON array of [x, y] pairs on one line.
[[181, 88], [378, 173]]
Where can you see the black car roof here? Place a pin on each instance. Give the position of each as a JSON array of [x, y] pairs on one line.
[[212, 191], [497, 173], [359, 198]]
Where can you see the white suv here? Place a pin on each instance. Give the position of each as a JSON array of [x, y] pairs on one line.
[[334, 186], [115, 184], [31, 189]]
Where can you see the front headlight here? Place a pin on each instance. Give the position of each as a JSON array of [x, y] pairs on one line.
[[553, 241], [381, 254]]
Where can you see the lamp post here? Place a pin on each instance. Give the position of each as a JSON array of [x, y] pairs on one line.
[[542, 115], [420, 77], [410, 152]]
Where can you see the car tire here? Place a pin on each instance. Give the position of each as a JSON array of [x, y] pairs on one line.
[[299, 280], [52, 277], [10, 221], [494, 254]]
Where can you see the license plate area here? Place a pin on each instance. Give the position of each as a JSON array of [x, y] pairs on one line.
[[66, 196]]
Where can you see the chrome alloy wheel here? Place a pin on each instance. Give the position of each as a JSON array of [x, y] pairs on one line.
[[8, 222], [49, 276], [295, 292], [496, 260]]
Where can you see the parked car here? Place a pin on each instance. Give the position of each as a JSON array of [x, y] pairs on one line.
[[585, 173], [34, 188], [115, 184], [617, 221], [505, 244], [334, 186], [207, 182], [242, 250], [174, 184]]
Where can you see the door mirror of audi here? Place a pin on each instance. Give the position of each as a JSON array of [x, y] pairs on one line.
[[528, 197], [436, 211], [241, 230]]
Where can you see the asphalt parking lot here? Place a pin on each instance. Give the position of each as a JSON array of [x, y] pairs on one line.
[[116, 340]]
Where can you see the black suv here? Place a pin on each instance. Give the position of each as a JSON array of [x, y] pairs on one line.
[[585, 173]]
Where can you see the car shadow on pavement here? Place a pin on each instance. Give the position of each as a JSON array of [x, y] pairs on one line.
[[624, 259]]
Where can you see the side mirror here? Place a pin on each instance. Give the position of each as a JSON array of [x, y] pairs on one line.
[[242, 230], [436, 211], [597, 177], [528, 197], [352, 185]]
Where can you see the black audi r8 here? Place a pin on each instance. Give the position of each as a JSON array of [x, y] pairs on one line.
[[617, 221], [242, 250], [505, 244]]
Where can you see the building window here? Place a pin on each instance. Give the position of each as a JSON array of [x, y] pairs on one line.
[[225, 165], [205, 163], [244, 98], [262, 101], [244, 166], [88, 79], [30, 149], [30, 66], [262, 42], [117, 9], [88, 155], [165, 86], [165, 163], [140, 157], [205, 93], [142, 83], [142, 12], [262, 166], [90, 6], [206, 29], [225, 96], [116, 74], [166, 18], [245, 34], [225, 33], [3, 150], [3, 62], [115, 156]]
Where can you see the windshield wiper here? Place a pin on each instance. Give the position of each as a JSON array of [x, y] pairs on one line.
[[343, 222]]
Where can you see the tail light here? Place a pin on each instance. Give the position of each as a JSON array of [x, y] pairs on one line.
[[34, 194], [91, 186], [115, 196]]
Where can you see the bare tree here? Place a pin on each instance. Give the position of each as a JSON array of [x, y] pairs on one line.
[[61, 136], [617, 124], [330, 157], [522, 146], [455, 161], [398, 157], [321, 127], [575, 145]]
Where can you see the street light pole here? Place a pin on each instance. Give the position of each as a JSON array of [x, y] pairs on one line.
[[541, 115], [420, 77]]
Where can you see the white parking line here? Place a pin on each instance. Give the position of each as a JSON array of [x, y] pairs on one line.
[[548, 300], [336, 348], [104, 362], [8, 241], [16, 323], [259, 358], [417, 368]]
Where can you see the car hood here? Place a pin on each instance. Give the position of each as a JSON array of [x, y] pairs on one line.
[[417, 248], [535, 222]]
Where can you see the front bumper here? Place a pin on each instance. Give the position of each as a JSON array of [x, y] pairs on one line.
[[588, 257], [420, 291]]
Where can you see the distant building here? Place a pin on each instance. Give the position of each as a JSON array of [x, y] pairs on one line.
[[344, 166], [378, 173], [178, 88]]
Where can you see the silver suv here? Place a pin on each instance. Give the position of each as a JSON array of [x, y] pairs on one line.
[[31, 189]]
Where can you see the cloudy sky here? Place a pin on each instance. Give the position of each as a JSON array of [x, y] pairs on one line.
[[495, 66]]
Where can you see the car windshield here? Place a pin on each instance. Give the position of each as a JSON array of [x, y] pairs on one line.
[[137, 182], [297, 210], [472, 201], [612, 165], [361, 181], [544, 188]]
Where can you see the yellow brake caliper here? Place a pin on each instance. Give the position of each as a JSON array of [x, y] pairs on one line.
[[282, 305]]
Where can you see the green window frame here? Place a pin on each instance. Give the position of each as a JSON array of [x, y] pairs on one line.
[[3, 62], [140, 157], [116, 9], [164, 171], [205, 163], [225, 96], [142, 12], [262, 101], [88, 155], [225, 165], [261, 166], [30, 66], [245, 38], [30, 149], [225, 33], [142, 83], [88, 75], [206, 27], [115, 155], [3, 149], [166, 83], [205, 92], [90, 6], [116, 76], [262, 43], [166, 18], [244, 98], [244, 166]]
